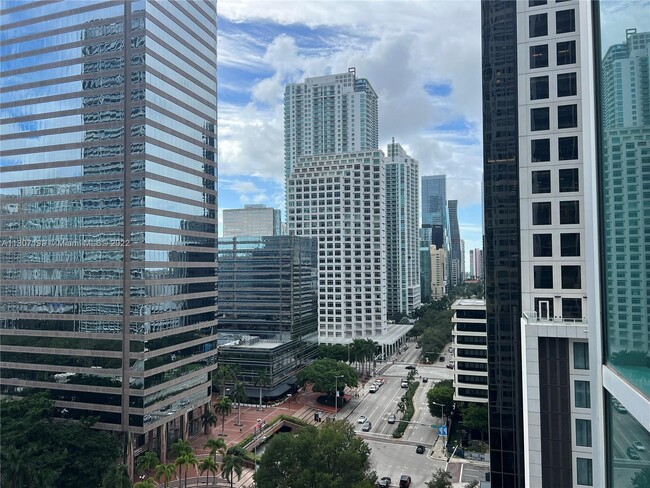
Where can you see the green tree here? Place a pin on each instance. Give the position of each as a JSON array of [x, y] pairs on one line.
[[147, 462], [208, 419], [322, 374], [642, 478], [442, 393], [185, 460], [180, 447], [224, 373], [239, 395], [329, 457], [116, 477], [216, 446], [472, 484], [232, 464], [208, 465], [440, 479], [475, 416], [146, 483], [166, 472], [261, 381], [223, 407]]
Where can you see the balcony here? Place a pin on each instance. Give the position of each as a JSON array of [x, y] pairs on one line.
[[532, 318]]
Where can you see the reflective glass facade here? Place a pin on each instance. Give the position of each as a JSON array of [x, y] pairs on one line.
[[108, 207], [624, 156]]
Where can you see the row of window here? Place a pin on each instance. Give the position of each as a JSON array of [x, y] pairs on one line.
[[565, 53], [543, 245], [571, 308], [567, 149], [569, 213], [565, 21], [567, 117], [568, 181], [571, 277], [566, 86]]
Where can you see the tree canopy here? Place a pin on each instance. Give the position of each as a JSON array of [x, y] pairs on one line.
[[475, 416], [330, 457], [36, 451], [322, 374], [440, 479], [443, 394]]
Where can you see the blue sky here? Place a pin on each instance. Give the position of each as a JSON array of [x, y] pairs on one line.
[[422, 58]]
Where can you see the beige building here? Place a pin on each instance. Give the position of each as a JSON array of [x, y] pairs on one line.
[[438, 272]]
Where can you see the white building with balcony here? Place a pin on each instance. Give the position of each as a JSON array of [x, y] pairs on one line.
[[470, 351]]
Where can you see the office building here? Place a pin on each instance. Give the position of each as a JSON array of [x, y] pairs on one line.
[[456, 259], [470, 351], [438, 272], [476, 263], [425, 265], [402, 235], [252, 220], [108, 212], [434, 202], [619, 282], [341, 200], [329, 114], [268, 309]]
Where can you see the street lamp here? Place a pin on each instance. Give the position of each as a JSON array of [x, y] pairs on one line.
[[336, 394]]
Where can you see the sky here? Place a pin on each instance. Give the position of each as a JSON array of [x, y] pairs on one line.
[[422, 58]]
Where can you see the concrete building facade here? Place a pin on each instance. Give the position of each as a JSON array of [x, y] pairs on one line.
[[252, 220], [470, 351]]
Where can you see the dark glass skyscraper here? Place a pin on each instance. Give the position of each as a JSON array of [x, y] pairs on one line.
[[108, 207], [501, 247]]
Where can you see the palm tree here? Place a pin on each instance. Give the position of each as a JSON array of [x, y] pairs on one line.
[[166, 472], [239, 395], [232, 464], [261, 380], [146, 483], [223, 407], [148, 461], [208, 419], [208, 465], [216, 446], [186, 460], [357, 352], [180, 447], [223, 373]]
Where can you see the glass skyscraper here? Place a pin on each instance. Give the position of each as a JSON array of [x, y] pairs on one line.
[[108, 207]]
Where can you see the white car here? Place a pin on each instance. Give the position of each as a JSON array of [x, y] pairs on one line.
[[638, 445], [362, 419]]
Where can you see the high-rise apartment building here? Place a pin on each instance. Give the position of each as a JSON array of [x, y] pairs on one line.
[[456, 259], [470, 351], [108, 212], [476, 263], [434, 202], [425, 265], [329, 114], [564, 245], [252, 220], [402, 234], [438, 272]]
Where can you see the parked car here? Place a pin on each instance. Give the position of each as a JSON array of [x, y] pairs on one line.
[[633, 453], [420, 449], [366, 427], [391, 419], [451, 349], [384, 482], [425, 379], [381, 381], [362, 419], [450, 366], [441, 359], [410, 366], [404, 481], [373, 389], [638, 445], [417, 346], [405, 384]]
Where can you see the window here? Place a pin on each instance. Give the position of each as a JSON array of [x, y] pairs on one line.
[[572, 308], [566, 53], [536, 3], [583, 471], [542, 245], [567, 148], [569, 180], [565, 21], [567, 116], [539, 87], [567, 85], [570, 244], [542, 213], [539, 56], [583, 395], [544, 307], [570, 212], [540, 150], [581, 357], [539, 118], [571, 278], [583, 432], [543, 276], [538, 25], [541, 181]]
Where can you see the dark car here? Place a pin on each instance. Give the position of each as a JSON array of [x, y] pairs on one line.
[[391, 418], [425, 380], [441, 359], [420, 449], [410, 366], [633, 453], [404, 481], [384, 482], [366, 427]]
